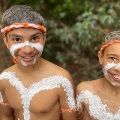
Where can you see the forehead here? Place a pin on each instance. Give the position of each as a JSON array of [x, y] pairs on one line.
[[24, 32], [113, 49]]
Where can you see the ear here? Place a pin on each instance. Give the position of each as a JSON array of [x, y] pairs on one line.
[[100, 56], [5, 40]]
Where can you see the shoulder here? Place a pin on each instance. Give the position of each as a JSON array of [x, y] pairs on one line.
[[9, 69], [65, 74], [3, 77], [5, 74], [57, 70], [87, 85]]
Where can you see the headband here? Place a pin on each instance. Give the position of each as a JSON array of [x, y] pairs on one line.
[[107, 44], [23, 25]]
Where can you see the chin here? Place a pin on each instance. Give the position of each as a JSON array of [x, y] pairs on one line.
[[27, 63], [115, 83]]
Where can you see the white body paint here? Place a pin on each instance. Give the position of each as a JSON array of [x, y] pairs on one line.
[[97, 109], [48, 83], [1, 98], [109, 66], [37, 46]]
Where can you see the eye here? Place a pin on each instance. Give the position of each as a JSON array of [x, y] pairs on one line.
[[112, 58], [36, 38], [16, 39]]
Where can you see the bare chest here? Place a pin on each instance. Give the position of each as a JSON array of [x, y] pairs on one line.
[[38, 96], [99, 108], [42, 101]]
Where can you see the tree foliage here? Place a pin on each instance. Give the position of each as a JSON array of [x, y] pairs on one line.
[[75, 31]]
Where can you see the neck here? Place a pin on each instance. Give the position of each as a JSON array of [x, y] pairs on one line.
[[114, 90], [30, 68]]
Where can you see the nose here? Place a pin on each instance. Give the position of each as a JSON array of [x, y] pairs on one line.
[[27, 49]]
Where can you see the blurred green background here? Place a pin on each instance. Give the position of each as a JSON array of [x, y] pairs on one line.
[[75, 31]]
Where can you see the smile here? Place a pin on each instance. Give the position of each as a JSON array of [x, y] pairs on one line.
[[116, 77], [27, 58]]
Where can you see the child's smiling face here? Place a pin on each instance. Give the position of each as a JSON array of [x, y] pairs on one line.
[[110, 61], [25, 45]]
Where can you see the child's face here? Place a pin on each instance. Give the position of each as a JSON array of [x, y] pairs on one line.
[[25, 45], [110, 61]]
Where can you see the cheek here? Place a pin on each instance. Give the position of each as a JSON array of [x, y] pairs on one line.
[[106, 68], [109, 66], [8, 46], [38, 47], [13, 51]]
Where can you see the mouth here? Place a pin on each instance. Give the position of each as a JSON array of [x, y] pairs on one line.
[[116, 77], [27, 58]]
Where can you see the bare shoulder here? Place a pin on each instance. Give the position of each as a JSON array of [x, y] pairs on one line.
[[3, 82], [63, 72], [87, 85], [57, 70], [9, 69]]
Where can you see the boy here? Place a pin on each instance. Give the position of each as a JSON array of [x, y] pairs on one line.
[[33, 88], [100, 99]]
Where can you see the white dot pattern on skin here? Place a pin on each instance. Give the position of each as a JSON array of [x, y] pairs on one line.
[[48, 83], [97, 109]]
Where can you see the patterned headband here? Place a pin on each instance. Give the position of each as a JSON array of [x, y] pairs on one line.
[[107, 44], [23, 25]]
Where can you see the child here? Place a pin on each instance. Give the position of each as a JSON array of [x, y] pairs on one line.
[[100, 99], [33, 88]]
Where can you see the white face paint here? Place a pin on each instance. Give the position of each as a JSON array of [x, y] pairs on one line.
[[109, 66], [34, 61], [37, 46], [23, 63]]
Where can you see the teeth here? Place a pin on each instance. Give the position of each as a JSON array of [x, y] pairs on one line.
[[26, 57]]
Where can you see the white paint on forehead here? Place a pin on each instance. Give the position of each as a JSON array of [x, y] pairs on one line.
[[48, 83], [109, 66], [37, 46]]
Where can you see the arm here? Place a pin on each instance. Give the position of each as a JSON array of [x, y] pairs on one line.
[[6, 112], [67, 100], [80, 104]]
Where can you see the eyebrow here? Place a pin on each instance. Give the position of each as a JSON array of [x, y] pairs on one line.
[[36, 34], [112, 55], [15, 35]]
